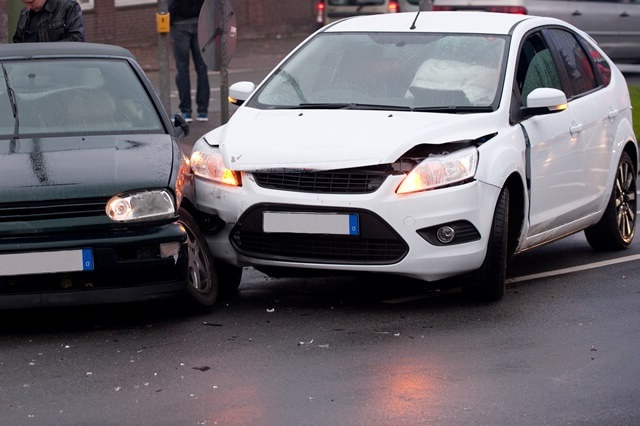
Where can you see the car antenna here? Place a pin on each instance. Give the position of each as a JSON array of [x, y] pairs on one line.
[[413, 24]]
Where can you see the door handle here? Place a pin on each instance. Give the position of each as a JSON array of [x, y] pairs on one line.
[[576, 13], [575, 128], [613, 113]]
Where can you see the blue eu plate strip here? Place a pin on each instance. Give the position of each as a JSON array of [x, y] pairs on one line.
[[87, 259], [354, 226]]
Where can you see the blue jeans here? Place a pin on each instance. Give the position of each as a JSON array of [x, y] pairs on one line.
[[185, 41]]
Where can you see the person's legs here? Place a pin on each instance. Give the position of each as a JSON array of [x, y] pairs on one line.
[[181, 41], [203, 92]]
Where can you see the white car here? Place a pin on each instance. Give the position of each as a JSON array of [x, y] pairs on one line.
[[426, 145]]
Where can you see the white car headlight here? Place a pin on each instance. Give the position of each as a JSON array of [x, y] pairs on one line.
[[211, 166], [143, 205], [441, 170]]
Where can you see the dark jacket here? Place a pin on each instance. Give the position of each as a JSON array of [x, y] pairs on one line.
[[58, 20], [184, 10]]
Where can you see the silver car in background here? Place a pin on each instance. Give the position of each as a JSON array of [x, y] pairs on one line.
[[328, 11], [614, 24]]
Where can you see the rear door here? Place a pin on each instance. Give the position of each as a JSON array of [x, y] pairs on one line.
[[627, 47], [594, 114], [600, 18]]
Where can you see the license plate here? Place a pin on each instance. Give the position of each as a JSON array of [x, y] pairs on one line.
[[311, 223], [46, 262]]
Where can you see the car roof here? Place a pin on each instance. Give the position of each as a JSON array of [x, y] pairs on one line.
[[448, 22], [62, 49]]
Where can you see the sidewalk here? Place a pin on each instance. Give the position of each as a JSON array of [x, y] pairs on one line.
[[249, 52]]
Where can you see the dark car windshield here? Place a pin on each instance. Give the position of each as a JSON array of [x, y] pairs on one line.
[[70, 97], [398, 70]]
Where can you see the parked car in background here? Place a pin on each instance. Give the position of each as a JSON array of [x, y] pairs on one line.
[[614, 24], [328, 11], [426, 145], [91, 177]]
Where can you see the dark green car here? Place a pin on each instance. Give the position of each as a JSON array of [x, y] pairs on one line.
[[90, 179]]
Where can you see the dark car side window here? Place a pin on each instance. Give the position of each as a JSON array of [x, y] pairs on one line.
[[576, 62]]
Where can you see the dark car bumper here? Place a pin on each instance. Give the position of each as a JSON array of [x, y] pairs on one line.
[[127, 266]]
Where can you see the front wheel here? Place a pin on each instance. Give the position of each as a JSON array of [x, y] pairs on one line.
[[203, 280], [616, 228], [488, 282]]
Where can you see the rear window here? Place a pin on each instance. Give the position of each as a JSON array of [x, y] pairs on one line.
[[67, 97]]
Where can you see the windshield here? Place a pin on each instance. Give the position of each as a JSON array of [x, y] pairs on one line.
[[70, 97], [403, 71]]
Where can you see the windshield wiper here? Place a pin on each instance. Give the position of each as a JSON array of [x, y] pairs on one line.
[[14, 104], [453, 109], [351, 105]]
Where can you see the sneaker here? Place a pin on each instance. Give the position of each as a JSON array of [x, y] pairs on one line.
[[187, 117], [202, 117]]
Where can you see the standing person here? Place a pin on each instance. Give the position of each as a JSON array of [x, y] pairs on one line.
[[50, 20], [184, 33]]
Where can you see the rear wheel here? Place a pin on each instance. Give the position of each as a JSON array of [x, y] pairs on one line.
[[488, 282], [616, 228]]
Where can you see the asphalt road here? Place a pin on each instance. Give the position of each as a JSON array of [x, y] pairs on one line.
[[560, 349]]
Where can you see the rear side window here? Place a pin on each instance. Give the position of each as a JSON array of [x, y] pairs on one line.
[[575, 61], [602, 68]]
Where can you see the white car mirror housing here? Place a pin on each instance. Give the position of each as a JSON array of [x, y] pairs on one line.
[[240, 91], [544, 100]]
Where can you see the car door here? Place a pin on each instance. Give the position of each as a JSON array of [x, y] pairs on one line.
[[600, 19], [556, 156], [627, 46], [594, 115]]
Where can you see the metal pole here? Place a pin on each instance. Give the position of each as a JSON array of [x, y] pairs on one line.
[[224, 62], [163, 59]]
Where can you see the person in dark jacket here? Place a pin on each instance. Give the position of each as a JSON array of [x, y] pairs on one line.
[[184, 33], [50, 20]]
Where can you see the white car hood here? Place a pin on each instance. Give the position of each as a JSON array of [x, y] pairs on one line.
[[334, 139]]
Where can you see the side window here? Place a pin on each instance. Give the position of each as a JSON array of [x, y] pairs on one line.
[[536, 67], [603, 70], [576, 62]]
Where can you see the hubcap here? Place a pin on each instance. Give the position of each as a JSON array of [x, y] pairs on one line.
[[625, 197], [199, 278]]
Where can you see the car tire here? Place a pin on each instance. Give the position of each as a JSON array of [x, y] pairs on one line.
[[488, 282], [203, 281], [616, 227]]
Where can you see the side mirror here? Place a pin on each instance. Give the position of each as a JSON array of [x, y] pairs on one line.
[[240, 91], [545, 100], [180, 124]]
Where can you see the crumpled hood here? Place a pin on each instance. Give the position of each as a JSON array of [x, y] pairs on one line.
[[333, 139], [83, 166]]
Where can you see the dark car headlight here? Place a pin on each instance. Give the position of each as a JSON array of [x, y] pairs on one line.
[[142, 205]]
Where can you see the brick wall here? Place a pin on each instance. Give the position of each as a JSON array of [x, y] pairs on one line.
[[135, 26]]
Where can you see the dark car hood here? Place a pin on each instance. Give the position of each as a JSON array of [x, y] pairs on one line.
[[83, 166]]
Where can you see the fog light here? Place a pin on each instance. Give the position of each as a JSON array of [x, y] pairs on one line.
[[171, 249], [445, 234]]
